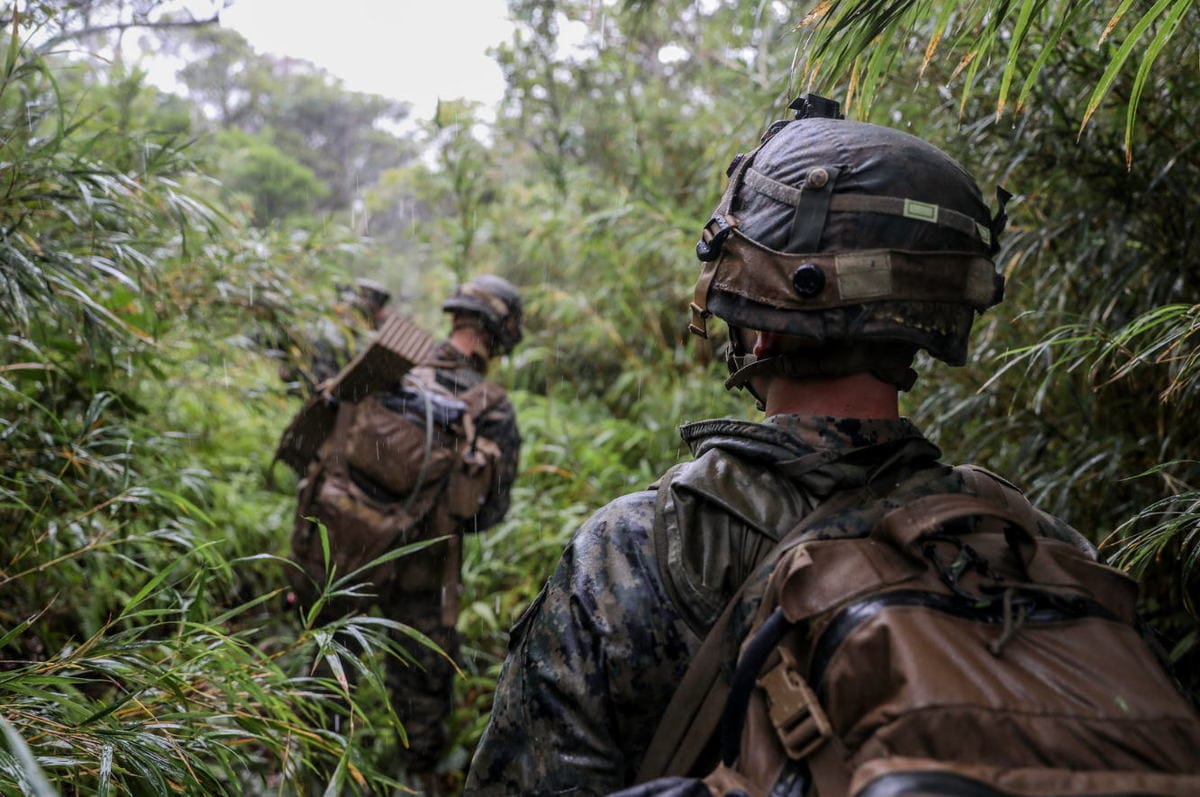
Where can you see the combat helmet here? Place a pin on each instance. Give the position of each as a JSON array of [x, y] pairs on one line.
[[861, 242], [497, 304], [372, 293]]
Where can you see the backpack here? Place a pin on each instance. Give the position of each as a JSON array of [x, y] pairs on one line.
[[399, 466], [953, 651]]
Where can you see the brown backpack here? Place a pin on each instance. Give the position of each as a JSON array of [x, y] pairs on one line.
[[954, 651], [399, 467]]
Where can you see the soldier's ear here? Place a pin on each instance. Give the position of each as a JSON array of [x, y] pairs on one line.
[[767, 344]]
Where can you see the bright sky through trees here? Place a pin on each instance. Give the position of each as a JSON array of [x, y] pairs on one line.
[[411, 50]]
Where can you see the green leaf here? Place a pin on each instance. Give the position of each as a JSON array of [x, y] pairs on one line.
[[149, 588], [1024, 17], [1156, 45], [1117, 62], [30, 769]]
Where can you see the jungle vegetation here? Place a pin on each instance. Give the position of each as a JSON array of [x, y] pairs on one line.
[[156, 248]]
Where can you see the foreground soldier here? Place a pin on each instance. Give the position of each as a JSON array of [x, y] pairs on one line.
[[824, 342]]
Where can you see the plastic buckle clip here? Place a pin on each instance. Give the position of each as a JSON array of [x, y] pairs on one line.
[[709, 247], [798, 718]]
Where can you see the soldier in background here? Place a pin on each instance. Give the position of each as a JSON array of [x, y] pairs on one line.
[[428, 452], [485, 322], [317, 355]]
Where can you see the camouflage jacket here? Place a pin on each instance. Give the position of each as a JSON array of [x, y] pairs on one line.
[[458, 373], [594, 661]]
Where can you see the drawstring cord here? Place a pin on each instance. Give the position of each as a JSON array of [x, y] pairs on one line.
[[1012, 622]]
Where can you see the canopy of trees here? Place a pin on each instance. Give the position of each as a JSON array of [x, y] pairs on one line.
[[158, 251]]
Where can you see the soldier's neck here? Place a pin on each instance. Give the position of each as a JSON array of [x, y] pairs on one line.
[[858, 395], [470, 342]]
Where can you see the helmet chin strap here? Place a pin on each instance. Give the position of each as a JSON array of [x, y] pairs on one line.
[[887, 361]]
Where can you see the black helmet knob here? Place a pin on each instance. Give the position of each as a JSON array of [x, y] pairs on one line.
[[808, 280]]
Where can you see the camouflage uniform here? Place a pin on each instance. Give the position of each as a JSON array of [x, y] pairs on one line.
[[421, 690], [595, 660]]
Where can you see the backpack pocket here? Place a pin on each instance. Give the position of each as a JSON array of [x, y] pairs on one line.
[[395, 449], [909, 777]]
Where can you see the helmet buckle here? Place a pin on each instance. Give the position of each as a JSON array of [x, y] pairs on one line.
[[709, 247]]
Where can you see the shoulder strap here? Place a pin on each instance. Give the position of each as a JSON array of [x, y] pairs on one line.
[[483, 397], [480, 400], [694, 712]]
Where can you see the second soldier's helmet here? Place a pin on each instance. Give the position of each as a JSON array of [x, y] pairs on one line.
[[861, 242], [372, 293], [497, 304]]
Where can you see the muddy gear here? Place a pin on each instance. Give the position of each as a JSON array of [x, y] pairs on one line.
[[497, 303], [399, 467], [874, 663], [862, 242]]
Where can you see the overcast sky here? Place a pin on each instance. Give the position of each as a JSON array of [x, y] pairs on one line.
[[412, 50]]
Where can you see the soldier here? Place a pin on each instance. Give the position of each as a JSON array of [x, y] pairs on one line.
[[359, 311], [427, 454], [838, 251], [486, 315]]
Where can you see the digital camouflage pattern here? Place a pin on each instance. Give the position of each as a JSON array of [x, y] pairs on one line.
[[594, 661], [422, 690]]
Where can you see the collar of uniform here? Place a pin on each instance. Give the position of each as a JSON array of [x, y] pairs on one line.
[[790, 436], [447, 355], [820, 432]]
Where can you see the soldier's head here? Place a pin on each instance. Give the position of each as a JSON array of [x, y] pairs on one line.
[[371, 298], [842, 247], [492, 305]]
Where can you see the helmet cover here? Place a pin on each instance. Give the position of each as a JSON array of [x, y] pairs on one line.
[[843, 234], [496, 303]]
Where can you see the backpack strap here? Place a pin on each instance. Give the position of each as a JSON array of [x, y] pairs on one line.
[[480, 400], [694, 713]]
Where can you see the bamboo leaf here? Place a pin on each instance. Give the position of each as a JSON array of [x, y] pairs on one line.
[[1115, 20], [149, 588], [935, 39], [30, 769], [14, 44], [1155, 47], [1119, 58], [1024, 18]]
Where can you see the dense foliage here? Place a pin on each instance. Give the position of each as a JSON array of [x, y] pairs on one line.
[[159, 253]]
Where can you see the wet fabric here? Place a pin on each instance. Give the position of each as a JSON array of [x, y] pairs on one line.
[[596, 658], [458, 373], [421, 690]]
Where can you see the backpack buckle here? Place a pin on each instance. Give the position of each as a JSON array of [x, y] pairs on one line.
[[798, 718]]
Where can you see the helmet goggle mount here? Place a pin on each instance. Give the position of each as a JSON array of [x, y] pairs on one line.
[[742, 273]]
